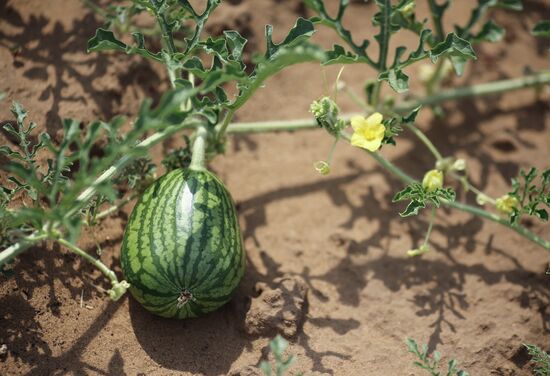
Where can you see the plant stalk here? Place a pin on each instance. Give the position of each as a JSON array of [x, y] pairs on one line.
[[490, 88], [199, 148]]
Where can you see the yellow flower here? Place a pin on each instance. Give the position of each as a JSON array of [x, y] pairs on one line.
[[368, 133], [506, 203], [433, 180]]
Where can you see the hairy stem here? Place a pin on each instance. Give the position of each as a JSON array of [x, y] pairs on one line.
[[199, 147]]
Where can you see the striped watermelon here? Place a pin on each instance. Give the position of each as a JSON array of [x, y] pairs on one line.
[[182, 250]]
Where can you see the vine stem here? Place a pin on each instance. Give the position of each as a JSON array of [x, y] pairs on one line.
[[458, 205], [490, 88], [495, 87], [384, 43], [95, 262], [14, 250], [430, 226], [482, 89], [436, 19]]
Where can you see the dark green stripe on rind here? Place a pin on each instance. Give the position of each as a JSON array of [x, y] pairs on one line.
[[183, 234]]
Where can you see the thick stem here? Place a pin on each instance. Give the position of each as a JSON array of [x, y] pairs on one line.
[[199, 148]]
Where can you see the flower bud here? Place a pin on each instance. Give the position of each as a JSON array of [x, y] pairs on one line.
[[506, 204], [481, 199], [459, 165], [322, 167], [408, 10], [433, 180], [326, 111]]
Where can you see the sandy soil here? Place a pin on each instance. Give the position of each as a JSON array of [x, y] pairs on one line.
[[478, 296]]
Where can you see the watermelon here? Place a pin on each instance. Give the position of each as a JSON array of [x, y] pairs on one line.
[[182, 251]]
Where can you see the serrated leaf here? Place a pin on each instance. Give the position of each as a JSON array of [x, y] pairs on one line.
[[510, 4], [397, 79], [542, 29], [302, 30], [403, 194], [235, 43], [338, 55], [490, 32], [105, 40], [457, 49], [413, 208], [410, 118]]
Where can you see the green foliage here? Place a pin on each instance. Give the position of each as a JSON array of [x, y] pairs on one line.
[[138, 174], [430, 363], [53, 197], [278, 346], [178, 158], [393, 17], [394, 125], [420, 197], [542, 29], [94, 164], [540, 359], [458, 50], [532, 196]]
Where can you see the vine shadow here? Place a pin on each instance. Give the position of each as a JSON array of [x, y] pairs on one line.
[[21, 330], [47, 53]]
